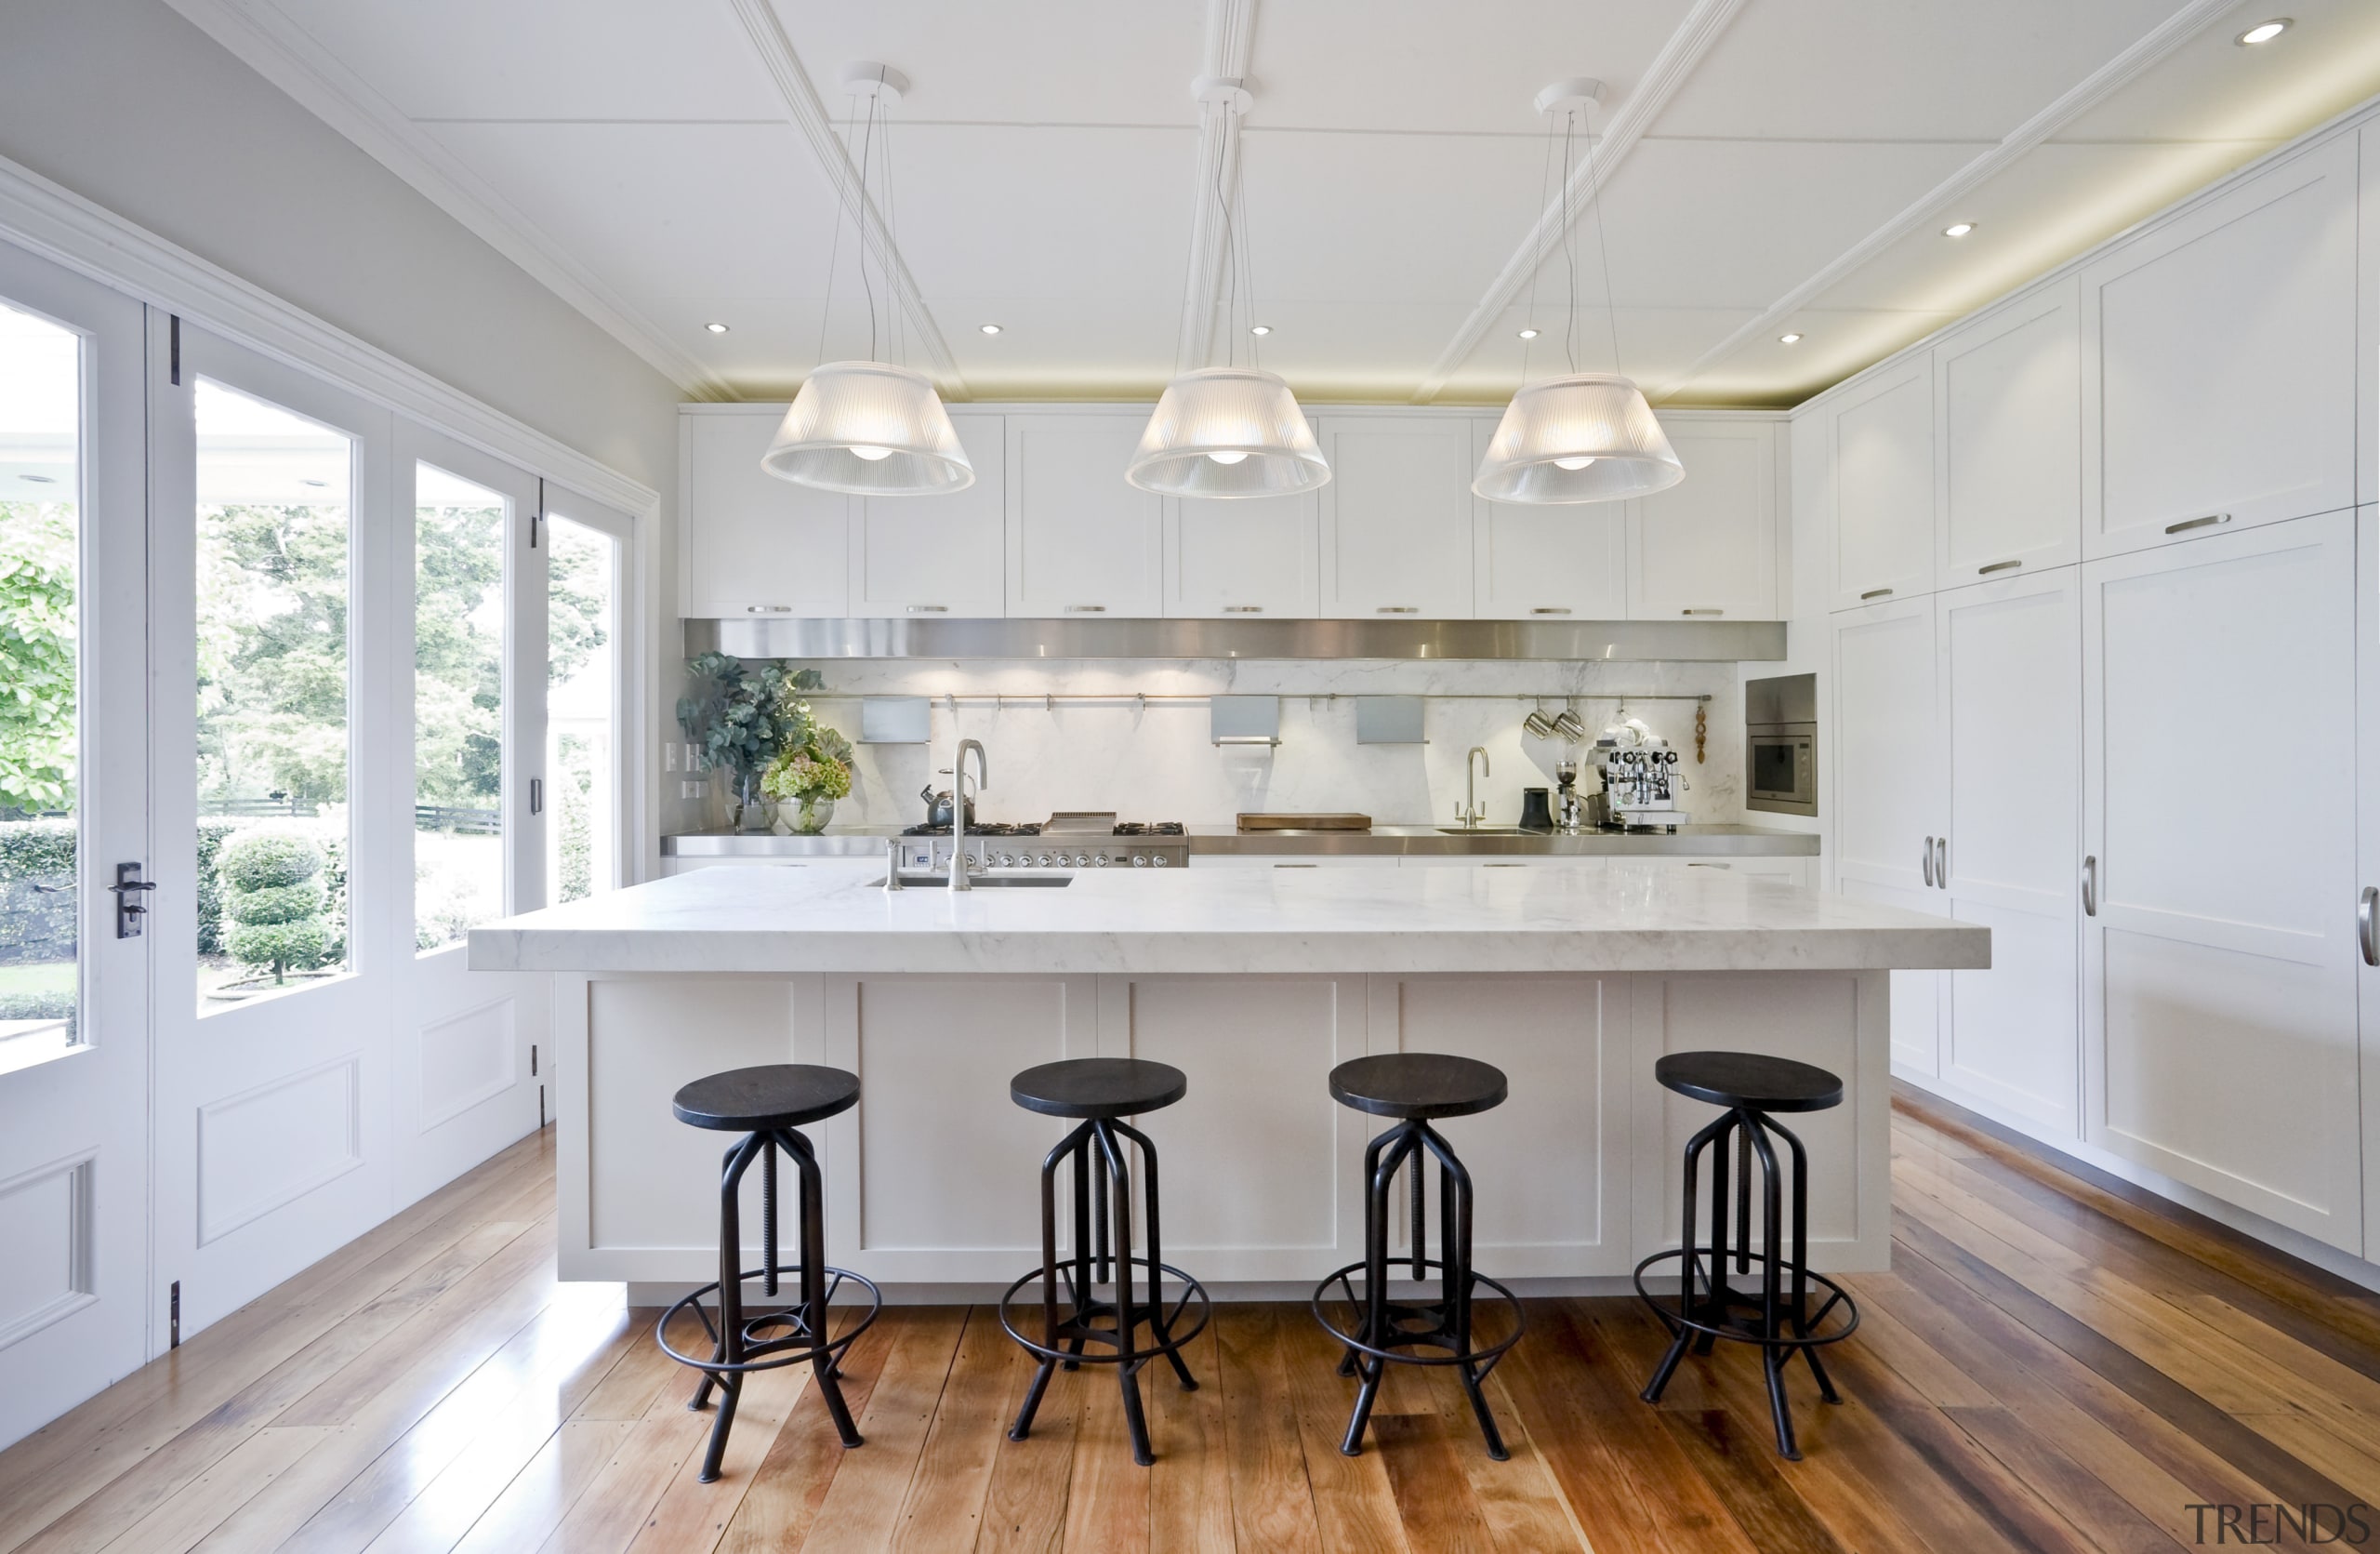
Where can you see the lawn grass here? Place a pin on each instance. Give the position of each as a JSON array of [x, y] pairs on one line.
[[41, 976]]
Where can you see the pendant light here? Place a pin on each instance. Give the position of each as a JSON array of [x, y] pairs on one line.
[[872, 429], [1228, 431], [1586, 436]]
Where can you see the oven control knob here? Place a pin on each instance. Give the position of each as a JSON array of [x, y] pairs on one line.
[[1043, 860], [1140, 860], [1157, 860], [1101, 861]]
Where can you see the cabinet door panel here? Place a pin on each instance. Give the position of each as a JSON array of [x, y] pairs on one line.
[[1887, 789], [2007, 395], [2011, 667], [754, 544], [1883, 452], [939, 555], [1081, 539], [1242, 556], [2219, 361], [2219, 969], [1707, 546], [1396, 517], [1534, 562]]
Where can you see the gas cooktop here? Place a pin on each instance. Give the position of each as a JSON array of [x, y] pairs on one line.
[[1033, 828]]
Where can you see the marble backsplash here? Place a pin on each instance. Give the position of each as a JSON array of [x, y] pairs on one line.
[[1157, 763]]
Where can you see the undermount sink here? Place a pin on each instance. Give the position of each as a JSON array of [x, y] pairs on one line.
[[1488, 831], [983, 882]]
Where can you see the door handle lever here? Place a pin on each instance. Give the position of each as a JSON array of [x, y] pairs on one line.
[[1926, 861], [2090, 885], [2367, 925]]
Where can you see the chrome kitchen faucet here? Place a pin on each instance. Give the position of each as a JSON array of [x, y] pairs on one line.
[[959, 807], [1474, 766]]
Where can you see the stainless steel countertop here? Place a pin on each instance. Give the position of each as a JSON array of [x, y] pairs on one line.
[[1392, 841]]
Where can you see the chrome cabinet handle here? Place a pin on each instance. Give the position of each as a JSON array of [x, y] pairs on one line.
[[1926, 861], [1702, 612], [2188, 524], [1243, 609], [1997, 566], [2367, 925], [928, 609], [1397, 609], [1085, 609], [2090, 885], [768, 610], [1942, 862], [1875, 593], [1550, 609]]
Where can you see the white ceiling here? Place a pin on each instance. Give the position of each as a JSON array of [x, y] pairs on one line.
[[1772, 167]]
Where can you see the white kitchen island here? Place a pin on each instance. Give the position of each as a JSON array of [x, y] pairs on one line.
[[1572, 977]]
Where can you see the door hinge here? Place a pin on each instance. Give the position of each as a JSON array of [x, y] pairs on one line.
[[533, 531], [174, 1315], [533, 1060], [541, 1107], [173, 349], [537, 795]]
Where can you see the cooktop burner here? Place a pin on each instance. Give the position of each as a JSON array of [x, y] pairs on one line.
[[1031, 827], [1149, 827]]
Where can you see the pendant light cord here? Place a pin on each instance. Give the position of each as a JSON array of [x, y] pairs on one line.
[[1602, 249], [867, 153], [1537, 261], [835, 245]]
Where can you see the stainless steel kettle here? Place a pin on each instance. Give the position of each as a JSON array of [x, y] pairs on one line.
[[938, 806]]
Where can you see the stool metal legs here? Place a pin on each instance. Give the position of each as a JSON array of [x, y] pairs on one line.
[[1384, 1327], [1103, 1201], [1707, 1303]]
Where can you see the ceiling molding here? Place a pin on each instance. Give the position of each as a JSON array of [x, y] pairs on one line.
[[1663, 78], [1231, 45], [61, 225], [262, 36], [807, 112], [2084, 95]]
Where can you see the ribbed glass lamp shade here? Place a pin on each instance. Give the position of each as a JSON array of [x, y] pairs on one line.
[[871, 429], [1587, 438], [1227, 432]]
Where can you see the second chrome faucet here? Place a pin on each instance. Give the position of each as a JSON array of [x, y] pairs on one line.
[[959, 807]]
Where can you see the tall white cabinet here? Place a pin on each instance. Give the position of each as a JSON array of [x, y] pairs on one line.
[[2220, 957], [1396, 516]]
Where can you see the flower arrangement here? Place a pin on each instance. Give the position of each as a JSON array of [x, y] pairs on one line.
[[812, 771], [753, 725]]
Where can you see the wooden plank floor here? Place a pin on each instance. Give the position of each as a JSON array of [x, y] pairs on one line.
[[2055, 1362]]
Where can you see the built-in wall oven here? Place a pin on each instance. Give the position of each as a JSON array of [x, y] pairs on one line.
[[1781, 744]]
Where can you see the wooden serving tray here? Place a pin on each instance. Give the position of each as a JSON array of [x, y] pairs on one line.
[[1274, 822]]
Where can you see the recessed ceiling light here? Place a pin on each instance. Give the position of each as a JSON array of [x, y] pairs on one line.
[[1787, 339], [990, 328], [2264, 32], [1259, 328], [1957, 228], [716, 328], [1528, 333]]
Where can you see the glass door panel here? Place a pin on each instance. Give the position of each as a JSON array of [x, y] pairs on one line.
[[583, 696], [275, 492], [458, 632]]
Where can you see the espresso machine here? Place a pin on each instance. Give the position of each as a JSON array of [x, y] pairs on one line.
[[1641, 780]]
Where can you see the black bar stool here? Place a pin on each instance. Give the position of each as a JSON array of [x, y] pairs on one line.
[[1102, 1091], [1416, 1086], [766, 1105], [1751, 1087]]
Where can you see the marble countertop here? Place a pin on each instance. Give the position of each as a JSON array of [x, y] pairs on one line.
[[831, 915], [1693, 841]]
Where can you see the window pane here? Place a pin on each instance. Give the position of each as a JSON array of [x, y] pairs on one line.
[[40, 480], [274, 495], [457, 706], [582, 571]]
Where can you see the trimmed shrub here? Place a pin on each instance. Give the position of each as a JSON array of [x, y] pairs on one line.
[[274, 901], [36, 925]]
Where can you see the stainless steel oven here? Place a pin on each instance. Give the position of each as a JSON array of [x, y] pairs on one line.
[[1781, 744]]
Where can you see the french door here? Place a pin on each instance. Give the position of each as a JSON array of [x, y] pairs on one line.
[[74, 994]]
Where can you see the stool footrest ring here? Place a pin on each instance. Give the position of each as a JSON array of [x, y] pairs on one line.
[[1439, 1336], [1665, 1307], [1076, 1329], [794, 1348]]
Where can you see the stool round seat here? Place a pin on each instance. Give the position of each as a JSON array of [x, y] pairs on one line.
[[1095, 1087], [1418, 1084], [763, 1099], [1750, 1079]]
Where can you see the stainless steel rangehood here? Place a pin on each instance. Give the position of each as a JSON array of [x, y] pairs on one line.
[[1613, 640]]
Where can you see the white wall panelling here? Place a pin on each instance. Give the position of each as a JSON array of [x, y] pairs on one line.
[[270, 1146], [1882, 452], [2367, 719], [1080, 538], [2219, 981], [2009, 657], [2007, 429], [2219, 360], [49, 1224], [765, 546], [1887, 789], [943, 554], [1536, 562], [1707, 546], [1397, 516]]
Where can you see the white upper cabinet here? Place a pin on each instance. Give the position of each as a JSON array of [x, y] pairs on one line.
[[2219, 361], [1081, 539], [1882, 447], [1536, 562], [761, 546], [2007, 418], [939, 555], [1242, 556], [1396, 516], [1706, 548]]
